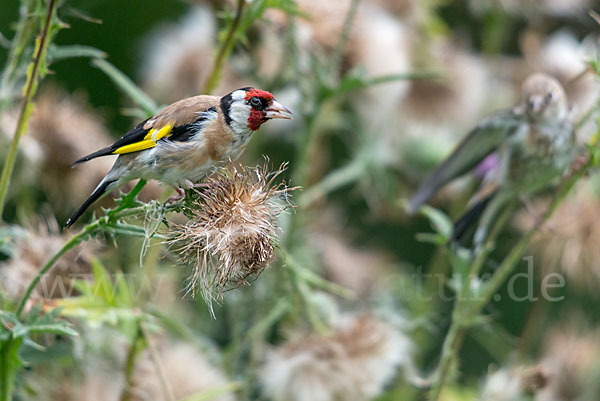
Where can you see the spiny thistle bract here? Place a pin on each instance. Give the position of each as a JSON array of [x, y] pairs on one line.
[[231, 233]]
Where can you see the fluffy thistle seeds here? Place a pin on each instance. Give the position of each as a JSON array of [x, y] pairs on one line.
[[232, 228]]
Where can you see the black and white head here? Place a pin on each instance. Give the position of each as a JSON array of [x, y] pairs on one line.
[[246, 109]]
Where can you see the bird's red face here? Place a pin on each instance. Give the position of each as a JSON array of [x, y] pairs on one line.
[[263, 107]]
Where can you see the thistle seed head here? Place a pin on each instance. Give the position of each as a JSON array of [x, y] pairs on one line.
[[231, 233]]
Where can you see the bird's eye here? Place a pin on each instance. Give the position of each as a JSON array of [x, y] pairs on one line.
[[256, 103], [548, 98]]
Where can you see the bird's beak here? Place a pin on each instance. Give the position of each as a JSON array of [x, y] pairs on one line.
[[536, 103], [277, 110]]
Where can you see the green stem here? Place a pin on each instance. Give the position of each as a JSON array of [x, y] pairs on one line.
[[134, 349], [452, 344], [26, 105], [70, 244], [224, 50], [9, 366], [344, 34], [5, 382], [125, 84]]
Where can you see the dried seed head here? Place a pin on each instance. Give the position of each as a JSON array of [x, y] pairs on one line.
[[514, 383], [30, 249], [569, 241], [570, 358], [187, 371], [230, 236], [354, 363]]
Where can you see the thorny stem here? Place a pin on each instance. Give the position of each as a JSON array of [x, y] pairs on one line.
[[27, 105], [456, 332], [224, 50], [467, 307], [101, 223], [452, 344]]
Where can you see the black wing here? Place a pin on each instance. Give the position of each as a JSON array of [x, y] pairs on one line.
[[179, 133], [136, 134]]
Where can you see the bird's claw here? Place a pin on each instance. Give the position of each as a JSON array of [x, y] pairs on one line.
[[200, 185], [176, 198]]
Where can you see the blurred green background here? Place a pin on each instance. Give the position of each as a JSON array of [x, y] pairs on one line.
[[411, 130]]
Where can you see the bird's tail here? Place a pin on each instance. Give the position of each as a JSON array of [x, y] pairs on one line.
[[96, 194], [470, 217]]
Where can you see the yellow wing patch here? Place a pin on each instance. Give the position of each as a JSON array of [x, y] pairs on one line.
[[148, 142]]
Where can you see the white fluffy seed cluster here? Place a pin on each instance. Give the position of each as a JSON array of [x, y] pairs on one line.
[[230, 236], [353, 364]]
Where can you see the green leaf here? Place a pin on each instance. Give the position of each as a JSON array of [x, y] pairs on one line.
[[461, 260], [30, 343], [356, 80], [44, 323], [59, 327], [440, 221], [128, 200], [103, 301], [594, 152], [432, 238], [9, 323], [57, 53], [123, 294], [102, 283], [124, 83]]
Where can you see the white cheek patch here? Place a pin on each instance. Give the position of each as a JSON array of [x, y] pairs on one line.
[[239, 112]]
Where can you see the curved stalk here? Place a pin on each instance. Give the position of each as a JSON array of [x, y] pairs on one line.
[[33, 74], [104, 221]]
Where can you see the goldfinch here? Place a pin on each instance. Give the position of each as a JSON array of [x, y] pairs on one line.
[[181, 144], [517, 152]]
